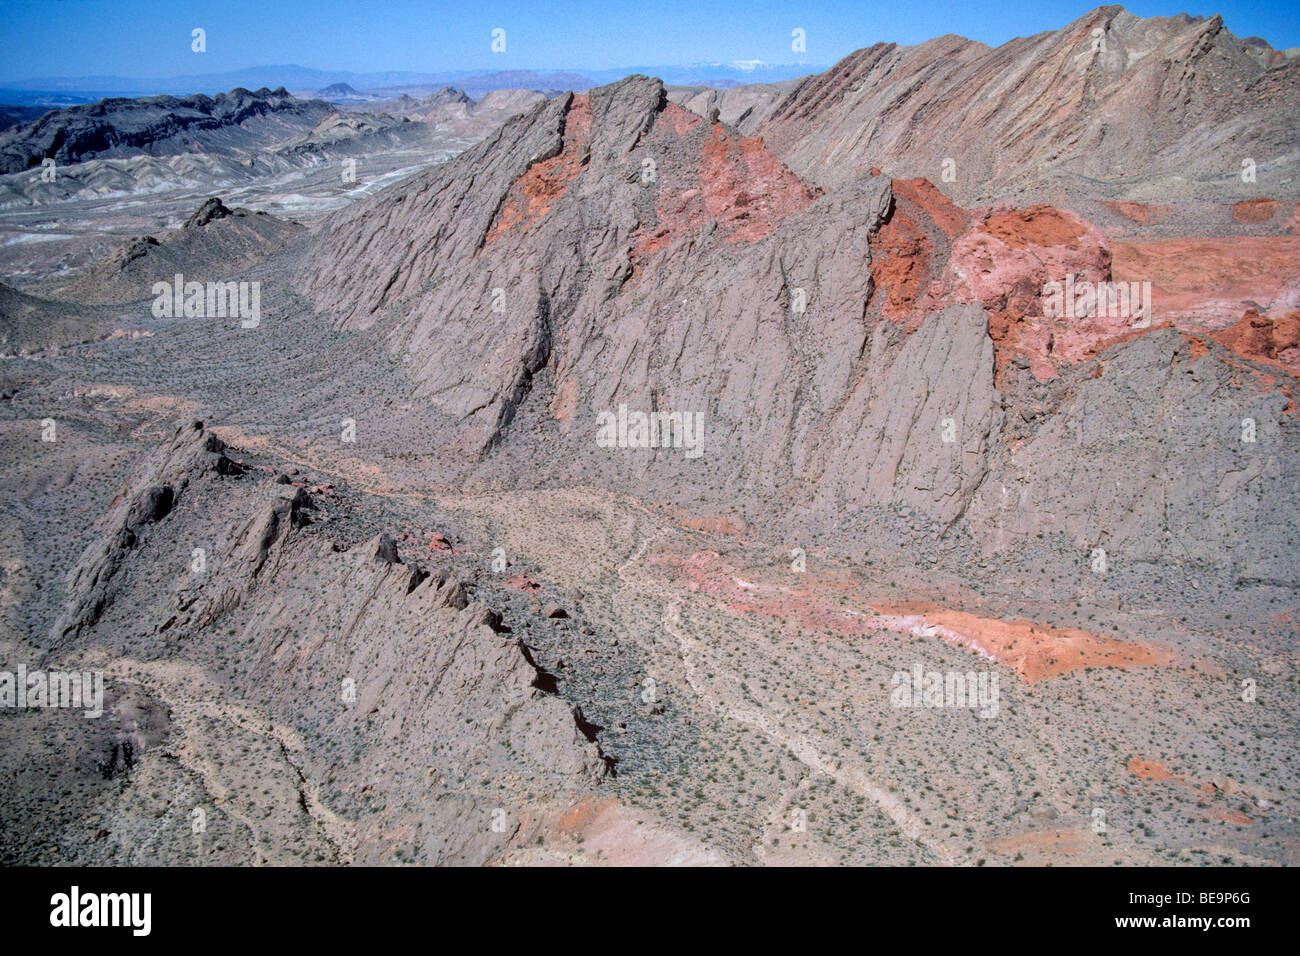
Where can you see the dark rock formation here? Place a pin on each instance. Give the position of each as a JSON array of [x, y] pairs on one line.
[[155, 125]]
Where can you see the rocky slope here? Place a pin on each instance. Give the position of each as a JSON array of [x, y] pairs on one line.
[[30, 323], [922, 374], [1112, 104], [744, 107], [351, 646], [214, 243]]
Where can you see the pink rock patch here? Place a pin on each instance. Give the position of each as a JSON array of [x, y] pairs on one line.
[[1034, 652], [736, 182], [519, 582]]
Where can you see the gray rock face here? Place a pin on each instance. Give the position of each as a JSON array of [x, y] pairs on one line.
[[192, 454], [1148, 462], [427, 668], [744, 107], [923, 436], [286, 511], [345, 649], [778, 293], [212, 209]]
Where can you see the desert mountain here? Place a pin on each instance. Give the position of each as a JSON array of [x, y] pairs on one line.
[[120, 146], [682, 292], [341, 93], [215, 242], [1112, 103], [744, 107], [422, 108], [271, 556], [16, 115], [233, 123], [452, 109]]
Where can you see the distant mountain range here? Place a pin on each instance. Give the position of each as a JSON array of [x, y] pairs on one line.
[[67, 91]]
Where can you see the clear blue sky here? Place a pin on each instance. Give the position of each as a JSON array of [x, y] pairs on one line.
[[151, 38]]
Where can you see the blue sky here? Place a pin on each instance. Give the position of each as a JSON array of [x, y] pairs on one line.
[[151, 38]]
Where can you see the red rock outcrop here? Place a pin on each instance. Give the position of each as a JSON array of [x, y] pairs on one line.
[[731, 180], [930, 253], [1258, 336], [534, 193], [1254, 210], [908, 252], [1034, 652], [1138, 212], [1292, 226], [1209, 282], [1002, 260]]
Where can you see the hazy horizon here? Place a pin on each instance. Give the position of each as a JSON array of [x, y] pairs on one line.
[[152, 40]]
